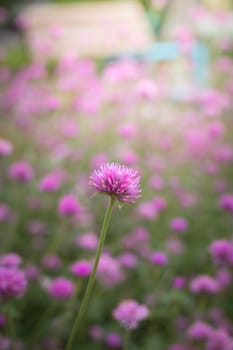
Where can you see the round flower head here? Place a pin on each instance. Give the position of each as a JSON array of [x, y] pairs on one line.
[[88, 241], [81, 268], [219, 339], [113, 340], [199, 331], [204, 284], [222, 251], [159, 258], [178, 225], [5, 147], [13, 282], [61, 288], [68, 205], [117, 181], [10, 260], [129, 313], [21, 171]]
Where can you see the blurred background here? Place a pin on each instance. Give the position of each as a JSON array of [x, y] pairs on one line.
[[147, 84]]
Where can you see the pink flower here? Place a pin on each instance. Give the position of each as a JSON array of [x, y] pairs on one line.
[[159, 258], [178, 282], [5, 147], [113, 340], [81, 268], [199, 331], [109, 271], [87, 241], [10, 260], [13, 282], [68, 205], [128, 260], [118, 181], [204, 284], [61, 288], [179, 224], [129, 313], [50, 183], [226, 202], [222, 251], [147, 210], [21, 171]]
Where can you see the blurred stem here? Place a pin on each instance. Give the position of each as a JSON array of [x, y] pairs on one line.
[[91, 281], [126, 339]]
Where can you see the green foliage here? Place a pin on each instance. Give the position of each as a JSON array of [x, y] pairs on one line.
[[17, 57]]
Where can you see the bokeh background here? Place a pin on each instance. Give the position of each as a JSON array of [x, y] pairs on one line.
[[147, 84]]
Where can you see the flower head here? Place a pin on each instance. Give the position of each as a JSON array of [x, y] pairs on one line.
[[113, 340], [199, 331], [68, 205], [61, 288], [159, 258], [5, 147], [13, 282], [10, 260], [178, 225], [117, 181], [21, 171], [204, 284], [222, 251], [81, 268], [129, 313]]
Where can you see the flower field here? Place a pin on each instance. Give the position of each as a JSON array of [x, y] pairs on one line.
[[74, 134]]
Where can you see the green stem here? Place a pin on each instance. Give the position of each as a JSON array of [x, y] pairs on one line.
[[92, 276], [126, 339]]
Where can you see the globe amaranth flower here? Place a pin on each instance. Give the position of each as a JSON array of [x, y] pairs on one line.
[[178, 224], [10, 260], [222, 251], [87, 241], [5, 147], [13, 282], [113, 340], [159, 258], [109, 272], [219, 340], [204, 284], [129, 313], [21, 171], [81, 268], [68, 205], [61, 288], [117, 181], [199, 331]]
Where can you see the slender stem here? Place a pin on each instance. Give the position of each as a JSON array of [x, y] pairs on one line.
[[92, 276], [126, 339]]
